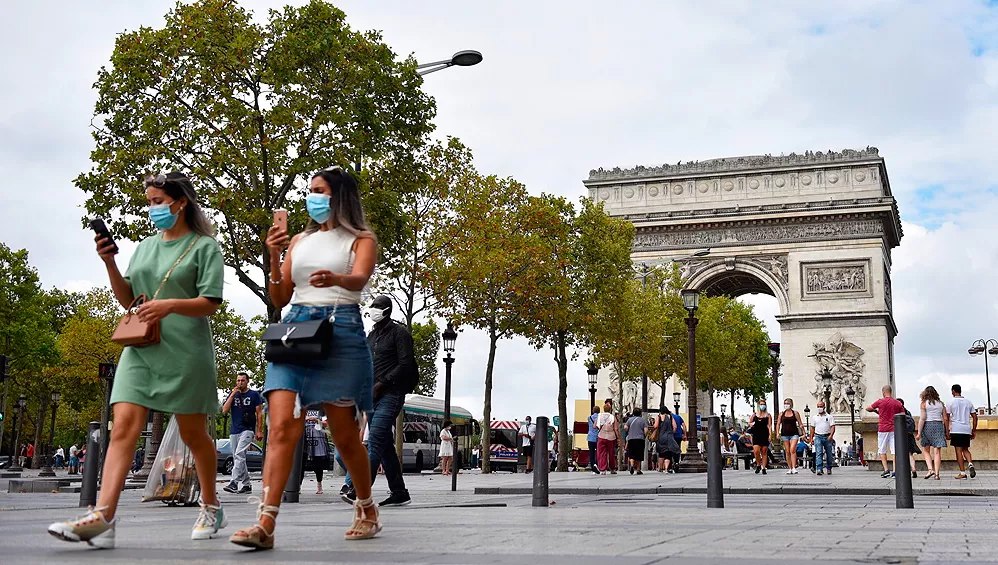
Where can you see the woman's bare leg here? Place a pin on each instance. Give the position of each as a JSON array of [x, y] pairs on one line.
[[346, 437], [284, 431], [194, 432], [129, 419]]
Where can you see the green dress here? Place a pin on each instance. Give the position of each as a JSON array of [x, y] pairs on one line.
[[176, 375]]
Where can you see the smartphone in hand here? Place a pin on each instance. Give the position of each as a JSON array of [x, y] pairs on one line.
[[281, 219], [100, 229]]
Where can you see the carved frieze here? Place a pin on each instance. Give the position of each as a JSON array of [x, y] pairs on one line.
[[819, 231], [835, 279], [887, 290], [738, 164]]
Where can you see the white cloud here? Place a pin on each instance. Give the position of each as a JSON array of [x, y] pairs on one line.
[[570, 86]]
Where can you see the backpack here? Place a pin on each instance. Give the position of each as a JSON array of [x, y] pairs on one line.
[[909, 422], [411, 378]]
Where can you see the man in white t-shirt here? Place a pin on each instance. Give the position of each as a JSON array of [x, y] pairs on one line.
[[527, 433], [822, 432], [962, 429]]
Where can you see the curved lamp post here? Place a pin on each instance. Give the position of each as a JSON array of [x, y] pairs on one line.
[[978, 348], [467, 58]]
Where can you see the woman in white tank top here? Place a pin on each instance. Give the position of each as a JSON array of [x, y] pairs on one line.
[[324, 271]]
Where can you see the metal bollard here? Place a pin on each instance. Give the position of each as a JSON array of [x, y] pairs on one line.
[[715, 482], [902, 465], [91, 467], [455, 467], [292, 488], [541, 464]]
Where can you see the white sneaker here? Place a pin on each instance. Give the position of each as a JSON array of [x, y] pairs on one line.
[[790, 472], [91, 528], [211, 519]]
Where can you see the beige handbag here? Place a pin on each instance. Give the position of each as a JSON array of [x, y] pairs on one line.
[[133, 332]]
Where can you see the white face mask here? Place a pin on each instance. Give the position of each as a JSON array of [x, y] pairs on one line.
[[786, 407], [376, 314], [821, 410]]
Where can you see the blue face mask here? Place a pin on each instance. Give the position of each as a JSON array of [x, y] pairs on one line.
[[161, 216], [317, 205]]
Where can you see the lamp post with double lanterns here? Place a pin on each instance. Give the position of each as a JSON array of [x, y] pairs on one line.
[[807, 417], [693, 462], [851, 395], [979, 348], [47, 470], [22, 403], [450, 339], [592, 370]]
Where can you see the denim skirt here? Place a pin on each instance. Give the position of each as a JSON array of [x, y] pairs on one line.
[[346, 376]]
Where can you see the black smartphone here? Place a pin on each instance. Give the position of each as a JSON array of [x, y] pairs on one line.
[[100, 229]]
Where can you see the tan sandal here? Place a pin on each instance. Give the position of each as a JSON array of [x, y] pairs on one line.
[[256, 536], [363, 528]]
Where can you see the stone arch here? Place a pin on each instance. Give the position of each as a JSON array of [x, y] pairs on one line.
[[737, 279]]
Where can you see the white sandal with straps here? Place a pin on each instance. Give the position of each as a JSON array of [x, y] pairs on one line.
[[256, 536], [363, 527]]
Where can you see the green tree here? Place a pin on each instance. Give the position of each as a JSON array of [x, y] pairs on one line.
[[585, 256], [487, 272], [249, 108], [732, 352], [427, 195], [237, 346], [426, 346]]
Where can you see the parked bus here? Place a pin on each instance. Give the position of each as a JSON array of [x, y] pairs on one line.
[[423, 420]]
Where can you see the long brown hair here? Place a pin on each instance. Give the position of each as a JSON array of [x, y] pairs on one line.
[[177, 185], [930, 395]]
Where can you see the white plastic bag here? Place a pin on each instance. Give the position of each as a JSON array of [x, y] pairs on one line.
[[172, 478]]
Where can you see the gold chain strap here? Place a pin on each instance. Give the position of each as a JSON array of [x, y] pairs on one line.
[[170, 272]]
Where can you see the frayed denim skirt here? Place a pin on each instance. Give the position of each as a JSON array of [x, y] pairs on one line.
[[346, 376]]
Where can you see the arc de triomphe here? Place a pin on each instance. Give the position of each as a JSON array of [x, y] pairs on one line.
[[814, 230]]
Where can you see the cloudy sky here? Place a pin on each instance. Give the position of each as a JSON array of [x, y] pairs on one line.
[[569, 86]]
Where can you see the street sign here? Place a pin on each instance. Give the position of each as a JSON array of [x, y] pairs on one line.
[[699, 427], [556, 420]]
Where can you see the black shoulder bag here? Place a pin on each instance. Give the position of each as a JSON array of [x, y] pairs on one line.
[[299, 343]]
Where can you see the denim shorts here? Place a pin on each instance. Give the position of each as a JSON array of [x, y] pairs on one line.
[[345, 377], [789, 438]]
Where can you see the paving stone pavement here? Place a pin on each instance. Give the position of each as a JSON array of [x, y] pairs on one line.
[[626, 528]]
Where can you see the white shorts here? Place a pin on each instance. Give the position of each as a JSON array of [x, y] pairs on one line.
[[885, 441]]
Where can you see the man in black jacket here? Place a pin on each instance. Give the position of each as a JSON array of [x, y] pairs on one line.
[[395, 375]]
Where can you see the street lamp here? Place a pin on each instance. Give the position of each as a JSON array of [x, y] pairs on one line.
[[851, 395], [675, 399], [826, 383], [22, 403], [807, 417], [592, 370], [724, 408], [693, 462], [50, 452], [466, 58], [450, 339], [978, 348]]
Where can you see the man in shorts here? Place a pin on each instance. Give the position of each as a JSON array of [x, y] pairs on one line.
[[886, 408], [527, 433], [962, 429]]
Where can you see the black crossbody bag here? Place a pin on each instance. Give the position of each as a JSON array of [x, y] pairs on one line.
[[299, 343]]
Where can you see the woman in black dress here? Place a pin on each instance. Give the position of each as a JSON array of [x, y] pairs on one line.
[[761, 427]]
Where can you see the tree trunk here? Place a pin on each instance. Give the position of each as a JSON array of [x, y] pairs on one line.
[[562, 359], [487, 409], [620, 411]]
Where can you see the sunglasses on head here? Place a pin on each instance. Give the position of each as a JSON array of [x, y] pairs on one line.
[[333, 169], [159, 181]]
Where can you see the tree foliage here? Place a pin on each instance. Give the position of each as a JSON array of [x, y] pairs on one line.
[[585, 256], [486, 278], [237, 346], [249, 110], [426, 346]]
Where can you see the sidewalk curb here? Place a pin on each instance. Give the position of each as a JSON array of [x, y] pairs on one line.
[[789, 490]]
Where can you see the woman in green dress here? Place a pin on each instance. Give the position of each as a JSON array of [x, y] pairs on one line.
[[176, 375]]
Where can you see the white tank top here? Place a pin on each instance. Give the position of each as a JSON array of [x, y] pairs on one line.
[[933, 412], [330, 250]]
